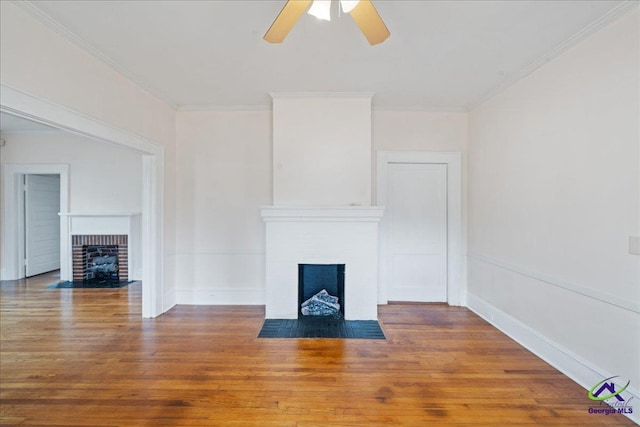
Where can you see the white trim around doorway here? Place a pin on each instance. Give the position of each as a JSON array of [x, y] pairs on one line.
[[12, 265], [25, 105], [453, 160]]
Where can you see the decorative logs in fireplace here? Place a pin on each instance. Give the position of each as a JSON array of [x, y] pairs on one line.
[[321, 304], [321, 290], [101, 264]]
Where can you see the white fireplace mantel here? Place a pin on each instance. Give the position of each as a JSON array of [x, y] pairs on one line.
[[322, 235], [321, 212], [93, 223]]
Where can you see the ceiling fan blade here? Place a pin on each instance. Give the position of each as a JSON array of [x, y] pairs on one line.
[[370, 23], [285, 20]]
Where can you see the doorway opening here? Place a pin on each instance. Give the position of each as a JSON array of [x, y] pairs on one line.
[[425, 243], [41, 231], [24, 105]]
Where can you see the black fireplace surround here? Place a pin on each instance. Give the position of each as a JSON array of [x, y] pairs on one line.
[[313, 278]]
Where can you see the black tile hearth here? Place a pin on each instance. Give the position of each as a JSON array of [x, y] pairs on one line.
[[89, 285], [319, 327]]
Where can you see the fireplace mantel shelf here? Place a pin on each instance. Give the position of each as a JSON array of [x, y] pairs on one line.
[[118, 224], [322, 213]]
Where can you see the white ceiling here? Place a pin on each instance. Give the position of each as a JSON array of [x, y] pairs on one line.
[[442, 55]]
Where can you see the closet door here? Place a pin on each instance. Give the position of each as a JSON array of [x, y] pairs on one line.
[[416, 225]]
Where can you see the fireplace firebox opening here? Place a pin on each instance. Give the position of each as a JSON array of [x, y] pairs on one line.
[[101, 264], [321, 290]]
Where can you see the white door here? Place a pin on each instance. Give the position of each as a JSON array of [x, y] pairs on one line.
[[42, 223], [416, 230]]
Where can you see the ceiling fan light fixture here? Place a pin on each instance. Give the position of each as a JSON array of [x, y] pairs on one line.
[[363, 13], [321, 9], [348, 5]]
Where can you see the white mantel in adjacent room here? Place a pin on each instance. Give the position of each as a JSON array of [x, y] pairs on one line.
[[322, 211], [121, 223]]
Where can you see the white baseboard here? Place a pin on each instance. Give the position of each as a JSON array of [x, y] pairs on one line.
[[567, 362], [169, 301], [220, 296]]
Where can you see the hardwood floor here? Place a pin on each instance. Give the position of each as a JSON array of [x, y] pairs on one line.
[[85, 357]]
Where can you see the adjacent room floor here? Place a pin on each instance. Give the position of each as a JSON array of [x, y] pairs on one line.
[[85, 357]]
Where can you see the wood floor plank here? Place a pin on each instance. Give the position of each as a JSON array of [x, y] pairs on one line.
[[85, 357]]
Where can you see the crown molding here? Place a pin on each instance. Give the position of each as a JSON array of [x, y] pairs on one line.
[[375, 107], [33, 10], [301, 95], [224, 108], [418, 109], [573, 40]]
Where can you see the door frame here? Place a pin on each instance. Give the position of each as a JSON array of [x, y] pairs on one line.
[[453, 160], [40, 110], [13, 225]]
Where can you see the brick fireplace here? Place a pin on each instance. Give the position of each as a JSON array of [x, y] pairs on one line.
[[81, 245], [93, 231]]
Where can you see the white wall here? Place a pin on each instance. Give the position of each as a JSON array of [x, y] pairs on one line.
[[420, 131], [224, 176], [322, 150], [554, 185], [102, 178], [40, 62]]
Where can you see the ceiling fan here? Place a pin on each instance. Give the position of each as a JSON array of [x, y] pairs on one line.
[[362, 11]]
